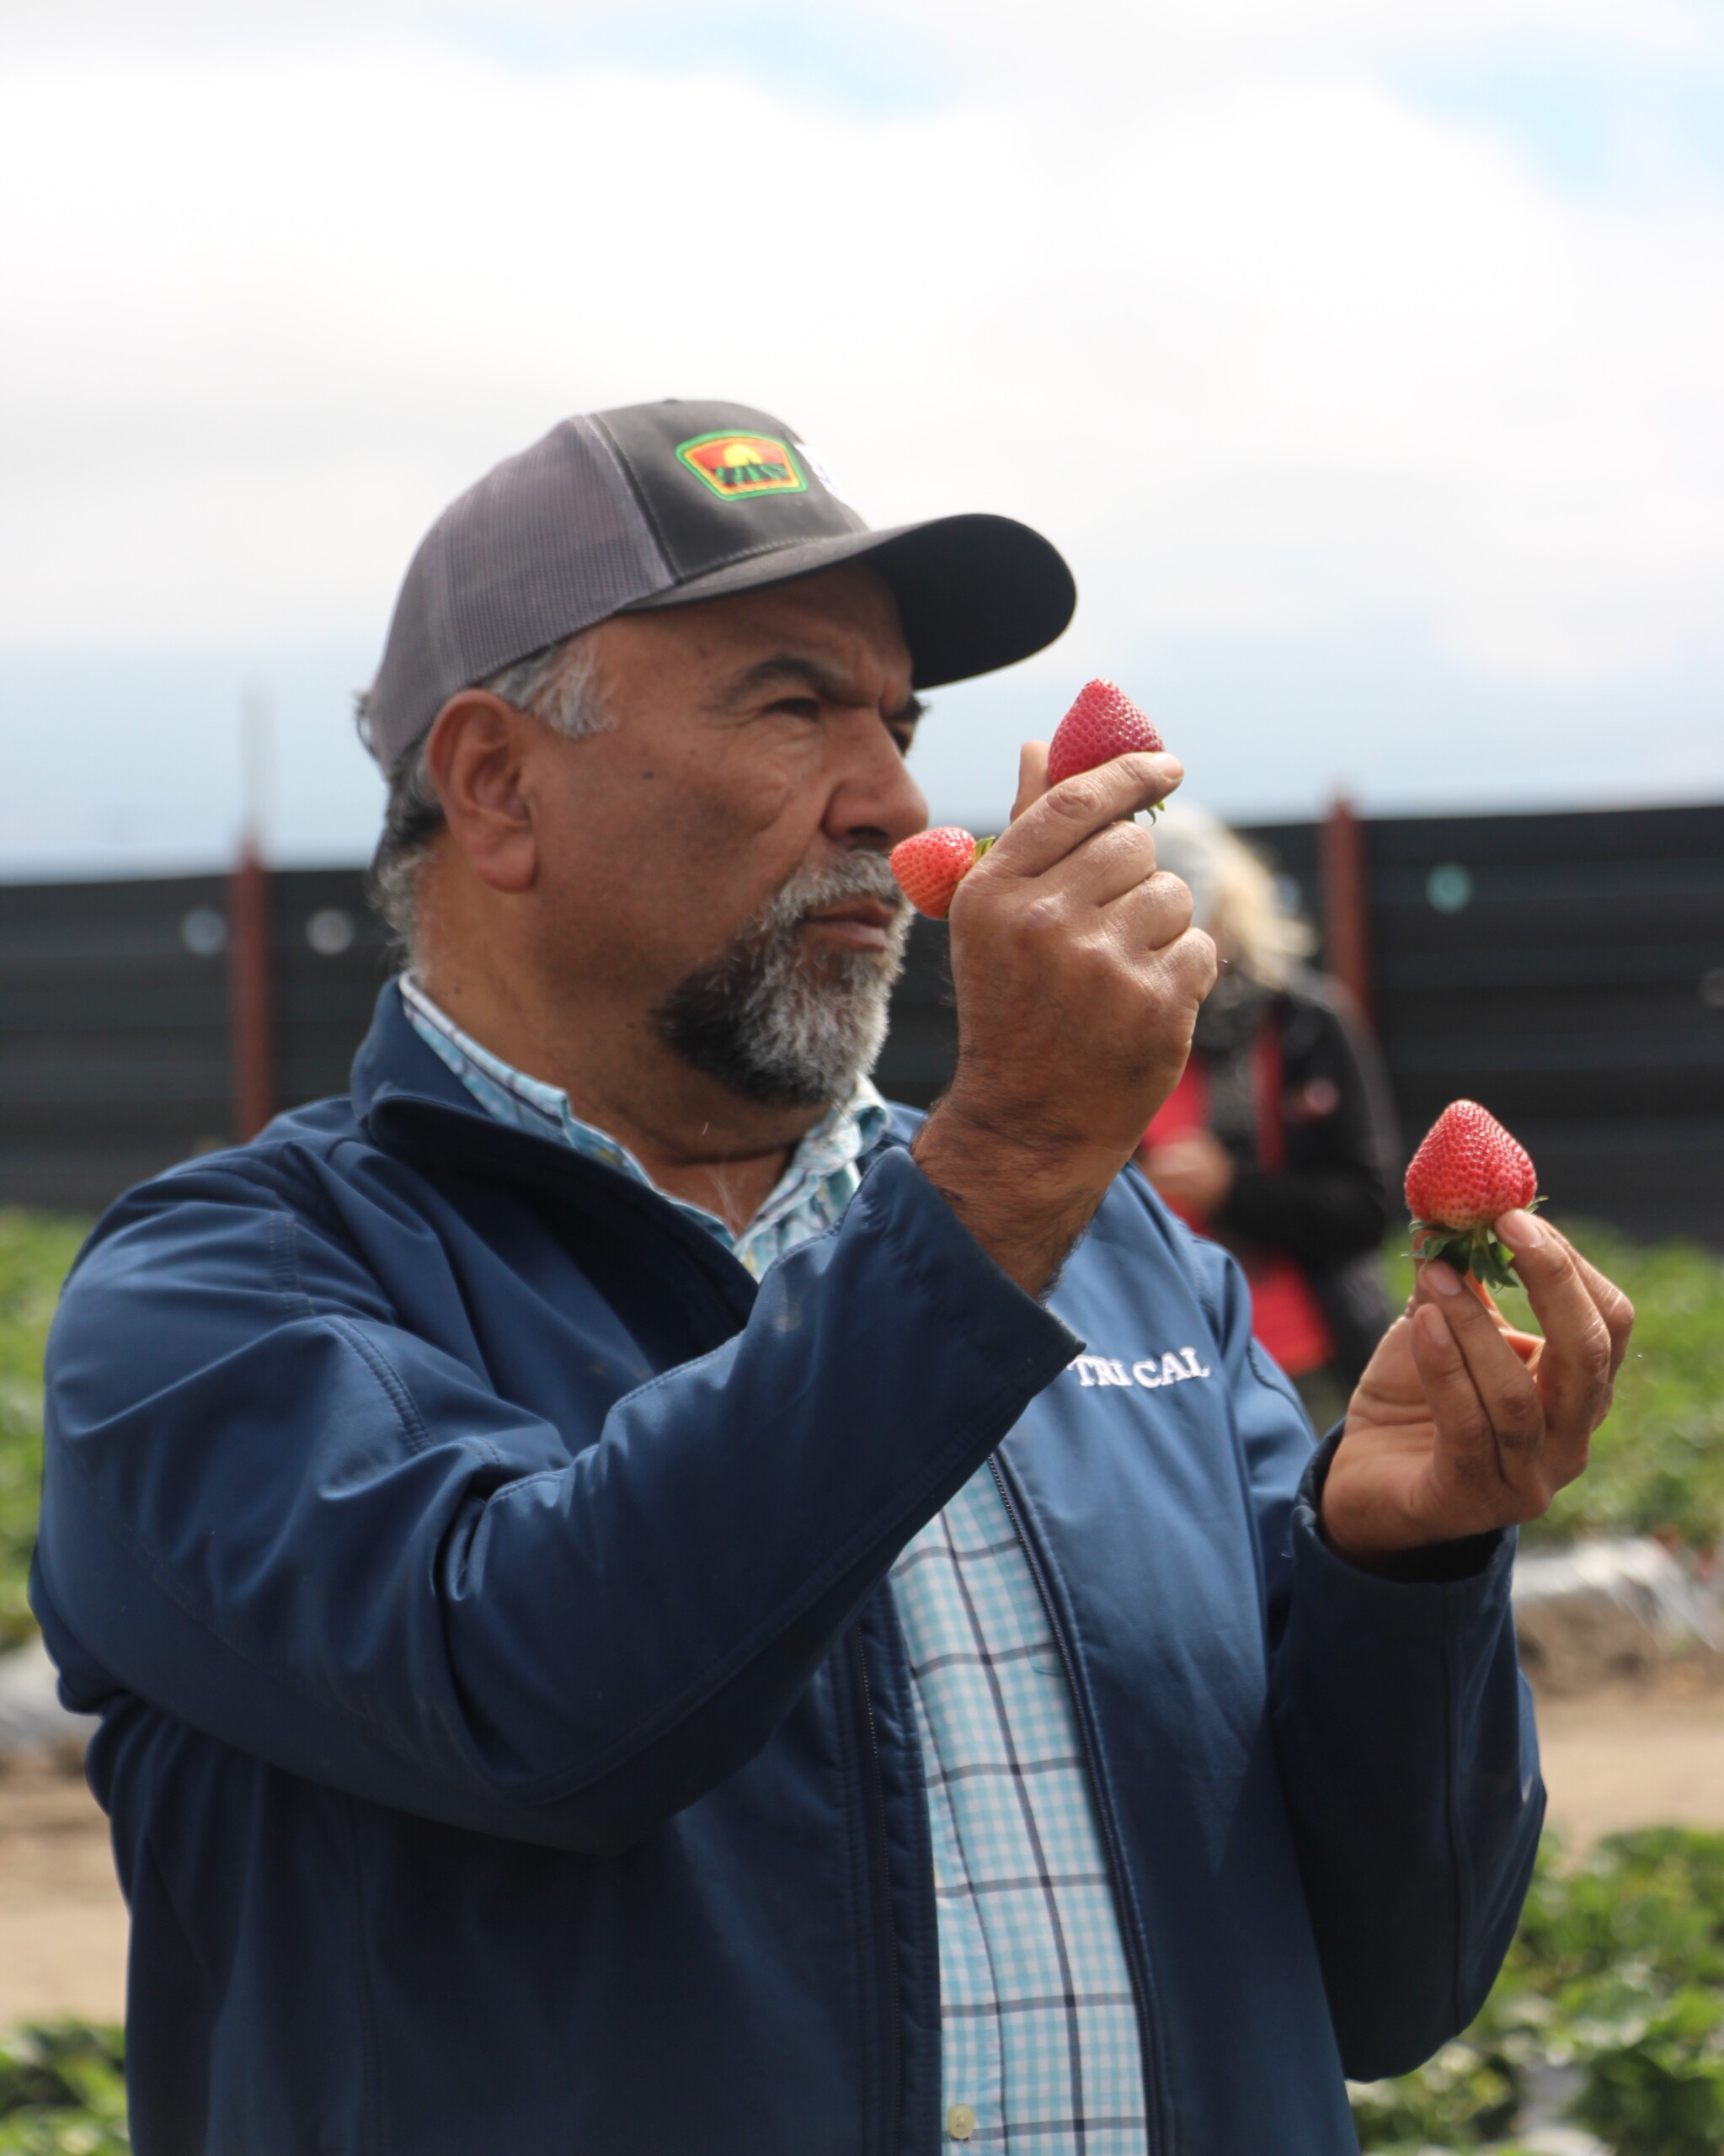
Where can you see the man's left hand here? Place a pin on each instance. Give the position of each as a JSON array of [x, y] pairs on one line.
[[1461, 1424]]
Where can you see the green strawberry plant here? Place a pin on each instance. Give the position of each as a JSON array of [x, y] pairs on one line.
[[62, 2091], [36, 1250], [1616, 1973]]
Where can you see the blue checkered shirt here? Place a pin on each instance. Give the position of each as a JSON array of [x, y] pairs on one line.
[[1040, 2044]]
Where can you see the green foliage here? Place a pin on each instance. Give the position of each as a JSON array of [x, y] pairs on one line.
[[62, 2091], [1658, 2089], [35, 1252], [1659, 1460], [1616, 1971], [1462, 2096]]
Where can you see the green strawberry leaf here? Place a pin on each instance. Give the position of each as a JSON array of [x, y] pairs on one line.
[[1493, 1264], [1474, 1251]]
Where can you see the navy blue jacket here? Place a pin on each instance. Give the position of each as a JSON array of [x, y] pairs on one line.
[[506, 1734]]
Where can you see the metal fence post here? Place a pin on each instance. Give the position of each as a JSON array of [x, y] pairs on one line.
[[248, 994], [1347, 932]]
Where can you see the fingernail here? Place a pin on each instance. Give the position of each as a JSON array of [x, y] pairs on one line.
[[1520, 1231], [1443, 1279]]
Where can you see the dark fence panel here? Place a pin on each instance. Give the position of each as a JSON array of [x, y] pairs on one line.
[[1566, 970], [115, 1048]]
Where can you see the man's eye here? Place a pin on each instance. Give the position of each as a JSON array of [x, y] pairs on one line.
[[797, 707]]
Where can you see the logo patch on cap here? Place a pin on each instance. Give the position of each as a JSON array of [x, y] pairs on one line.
[[737, 466]]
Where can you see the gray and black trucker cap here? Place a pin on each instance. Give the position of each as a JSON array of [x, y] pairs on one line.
[[656, 505]]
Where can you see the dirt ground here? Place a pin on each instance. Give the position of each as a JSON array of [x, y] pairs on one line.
[[1629, 1758], [63, 1924], [1633, 1760]]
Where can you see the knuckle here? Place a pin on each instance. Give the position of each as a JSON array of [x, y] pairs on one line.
[[1090, 965], [1191, 959], [1593, 1350], [1547, 1263], [1443, 1349], [1520, 1422], [1466, 1317], [1176, 982], [1131, 847], [1082, 797], [1040, 919], [1159, 915], [1100, 964]]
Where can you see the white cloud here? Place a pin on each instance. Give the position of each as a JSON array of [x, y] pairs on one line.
[[1266, 346]]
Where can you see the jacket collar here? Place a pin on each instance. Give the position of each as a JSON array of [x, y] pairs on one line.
[[412, 1106], [394, 1063]]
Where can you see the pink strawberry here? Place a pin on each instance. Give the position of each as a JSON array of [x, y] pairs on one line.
[[1467, 1173], [931, 866], [1104, 723]]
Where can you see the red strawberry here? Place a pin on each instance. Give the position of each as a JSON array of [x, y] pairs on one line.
[[1104, 723], [1466, 1174], [931, 866]]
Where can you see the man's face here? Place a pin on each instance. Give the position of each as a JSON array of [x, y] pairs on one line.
[[720, 853]]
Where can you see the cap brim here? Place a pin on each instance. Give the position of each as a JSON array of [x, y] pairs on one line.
[[974, 592]]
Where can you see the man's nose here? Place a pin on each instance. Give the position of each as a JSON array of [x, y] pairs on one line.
[[876, 802]]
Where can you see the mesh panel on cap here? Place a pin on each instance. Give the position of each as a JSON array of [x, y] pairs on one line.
[[548, 542]]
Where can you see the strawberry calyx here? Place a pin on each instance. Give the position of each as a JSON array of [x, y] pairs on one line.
[[1479, 1251]]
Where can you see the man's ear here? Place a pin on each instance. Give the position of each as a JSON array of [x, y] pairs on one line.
[[477, 755]]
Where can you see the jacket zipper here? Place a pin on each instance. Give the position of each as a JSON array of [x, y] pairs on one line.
[[1110, 1838], [879, 1869]]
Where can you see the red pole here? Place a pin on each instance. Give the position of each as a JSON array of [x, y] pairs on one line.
[[248, 993], [1346, 935]]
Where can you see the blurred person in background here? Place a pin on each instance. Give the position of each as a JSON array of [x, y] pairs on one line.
[[1279, 1140]]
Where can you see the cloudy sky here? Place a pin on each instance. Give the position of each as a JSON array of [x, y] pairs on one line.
[[1364, 360]]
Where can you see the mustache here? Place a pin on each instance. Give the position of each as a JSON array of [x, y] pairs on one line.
[[808, 892]]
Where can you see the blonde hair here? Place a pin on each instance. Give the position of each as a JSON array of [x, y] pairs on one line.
[[1233, 894]]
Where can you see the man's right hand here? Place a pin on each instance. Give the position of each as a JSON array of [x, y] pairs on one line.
[[1078, 977]]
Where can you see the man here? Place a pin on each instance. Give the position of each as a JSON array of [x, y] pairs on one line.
[[641, 1601]]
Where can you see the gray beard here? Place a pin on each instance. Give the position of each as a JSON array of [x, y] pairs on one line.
[[776, 1025]]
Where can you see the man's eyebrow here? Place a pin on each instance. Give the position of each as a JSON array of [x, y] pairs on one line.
[[796, 668]]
